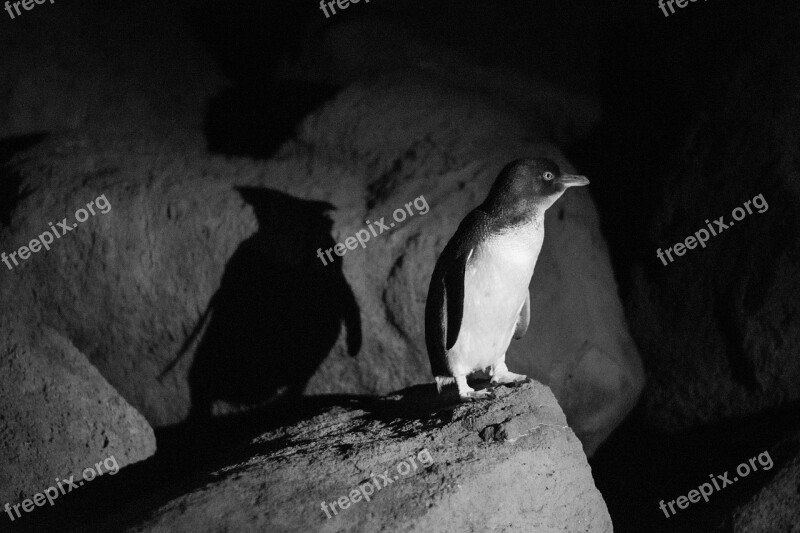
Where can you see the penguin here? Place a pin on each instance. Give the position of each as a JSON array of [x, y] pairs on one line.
[[478, 297]]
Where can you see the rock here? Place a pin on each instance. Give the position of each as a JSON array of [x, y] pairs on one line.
[[720, 326], [214, 295], [512, 464], [353, 49], [58, 416], [777, 506]]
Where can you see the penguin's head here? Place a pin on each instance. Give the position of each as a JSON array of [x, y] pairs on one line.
[[527, 185]]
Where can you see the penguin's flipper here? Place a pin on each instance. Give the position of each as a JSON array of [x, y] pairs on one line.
[[444, 309], [524, 319], [454, 291], [436, 326]]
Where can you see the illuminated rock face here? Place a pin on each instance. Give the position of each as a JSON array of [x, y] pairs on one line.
[[511, 464], [59, 416]]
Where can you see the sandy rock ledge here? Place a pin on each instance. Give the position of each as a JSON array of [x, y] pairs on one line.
[[511, 464]]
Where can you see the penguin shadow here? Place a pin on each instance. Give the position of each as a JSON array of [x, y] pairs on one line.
[[277, 313]]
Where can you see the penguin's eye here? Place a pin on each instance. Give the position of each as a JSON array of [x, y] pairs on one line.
[[548, 176]]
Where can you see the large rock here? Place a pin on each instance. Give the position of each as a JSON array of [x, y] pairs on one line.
[[58, 416], [359, 47], [511, 465], [720, 326], [136, 286]]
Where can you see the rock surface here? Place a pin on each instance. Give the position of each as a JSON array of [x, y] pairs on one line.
[[360, 47], [511, 464], [720, 326], [58, 416]]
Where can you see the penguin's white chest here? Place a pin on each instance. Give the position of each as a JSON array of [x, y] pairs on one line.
[[495, 288]]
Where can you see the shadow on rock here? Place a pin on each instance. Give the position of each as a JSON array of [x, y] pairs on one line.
[[277, 313], [10, 181]]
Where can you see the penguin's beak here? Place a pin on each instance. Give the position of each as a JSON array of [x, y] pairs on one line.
[[572, 180]]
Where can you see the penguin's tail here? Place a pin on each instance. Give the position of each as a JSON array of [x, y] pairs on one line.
[[441, 381]]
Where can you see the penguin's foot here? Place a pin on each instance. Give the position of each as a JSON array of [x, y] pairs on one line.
[[468, 394], [509, 378], [476, 395]]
